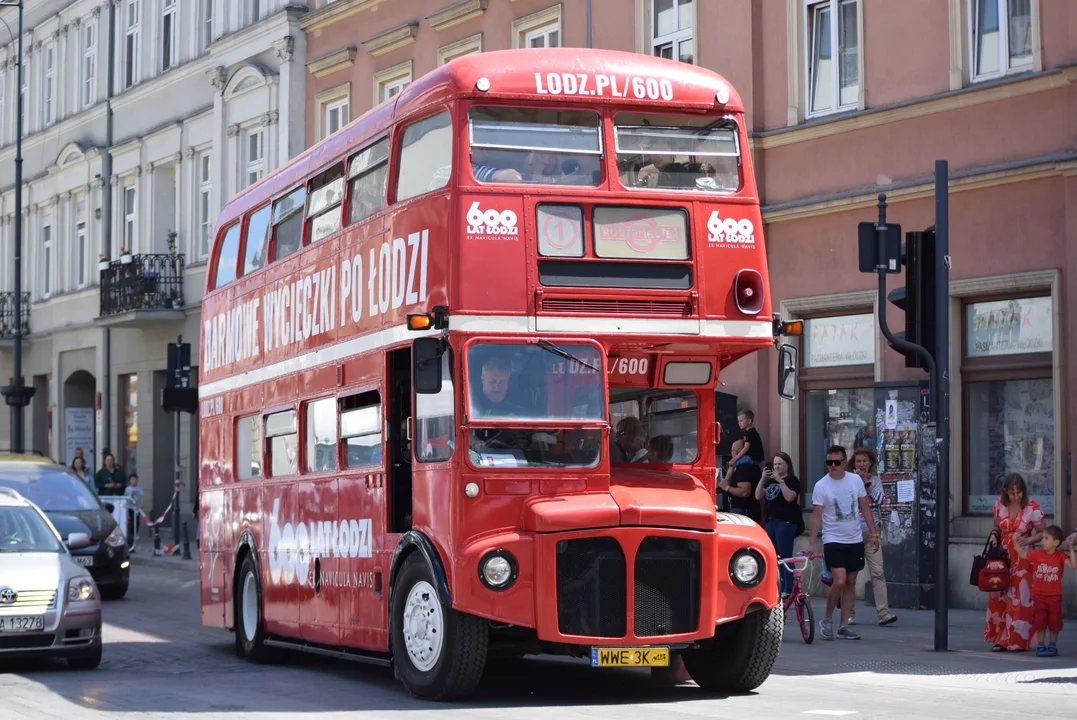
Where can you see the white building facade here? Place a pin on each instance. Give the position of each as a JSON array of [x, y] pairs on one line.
[[207, 96]]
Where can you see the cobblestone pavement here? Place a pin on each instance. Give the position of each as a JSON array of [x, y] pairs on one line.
[[160, 663]]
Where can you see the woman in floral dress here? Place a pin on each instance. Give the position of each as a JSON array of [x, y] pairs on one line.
[[1018, 519]]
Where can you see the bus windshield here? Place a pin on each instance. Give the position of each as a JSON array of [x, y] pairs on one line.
[[538, 147], [544, 382], [676, 152]]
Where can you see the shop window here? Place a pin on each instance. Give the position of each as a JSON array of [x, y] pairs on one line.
[[322, 435], [360, 429], [129, 440], [835, 416], [282, 432], [1008, 391], [249, 447]]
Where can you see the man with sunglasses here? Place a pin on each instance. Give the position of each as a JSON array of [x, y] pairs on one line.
[[839, 501]]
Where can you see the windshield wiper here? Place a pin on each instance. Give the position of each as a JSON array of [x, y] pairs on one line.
[[549, 346]]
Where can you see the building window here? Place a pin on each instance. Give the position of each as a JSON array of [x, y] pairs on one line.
[[360, 429], [130, 219], [538, 30], [282, 432], [3, 91], [1008, 390], [336, 116], [48, 90], [205, 208], [129, 418], [321, 435], [671, 29], [833, 82], [89, 65], [545, 37], [249, 447], [131, 45], [169, 32], [80, 250], [460, 48], [207, 23], [391, 82], [254, 159], [1001, 37], [256, 10], [46, 260]]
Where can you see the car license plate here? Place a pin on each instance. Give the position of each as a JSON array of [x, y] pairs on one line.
[[22, 623], [630, 657], [83, 560]]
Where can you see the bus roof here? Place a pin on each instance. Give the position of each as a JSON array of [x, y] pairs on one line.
[[565, 75]]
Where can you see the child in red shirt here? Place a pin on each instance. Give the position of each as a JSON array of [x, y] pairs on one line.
[[1047, 586]]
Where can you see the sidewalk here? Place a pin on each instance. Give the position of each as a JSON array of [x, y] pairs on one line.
[[907, 647]]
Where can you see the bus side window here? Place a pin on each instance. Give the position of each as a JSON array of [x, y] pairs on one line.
[[368, 173], [321, 435], [249, 447], [427, 145], [288, 223], [360, 429], [326, 203], [228, 257], [257, 236], [282, 432], [435, 419]]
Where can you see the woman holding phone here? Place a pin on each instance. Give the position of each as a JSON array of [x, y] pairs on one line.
[[779, 492]]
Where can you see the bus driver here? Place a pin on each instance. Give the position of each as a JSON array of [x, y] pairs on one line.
[[495, 382]]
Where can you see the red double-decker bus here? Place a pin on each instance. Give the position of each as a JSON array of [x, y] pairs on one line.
[[457, 380]]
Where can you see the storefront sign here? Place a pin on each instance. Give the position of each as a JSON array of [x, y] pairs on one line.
[[79, 433], [1009, 327], [845, 340]]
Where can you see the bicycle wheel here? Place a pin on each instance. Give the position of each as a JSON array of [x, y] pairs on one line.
[[806, 618]]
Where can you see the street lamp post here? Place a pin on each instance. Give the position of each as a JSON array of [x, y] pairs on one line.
[[16, 394]]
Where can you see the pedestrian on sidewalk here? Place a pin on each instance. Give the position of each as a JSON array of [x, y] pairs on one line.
[[779, 494], [740, 484], [109, 479], [838, 502], [1047, 567], [1018, 521], [863, 464], [78, 469], [135, 494]]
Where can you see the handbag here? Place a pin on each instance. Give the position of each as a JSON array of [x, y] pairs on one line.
[[991, 568]]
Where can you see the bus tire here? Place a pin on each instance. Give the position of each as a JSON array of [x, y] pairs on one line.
[[438, 653], [741, 655], [250, 630]]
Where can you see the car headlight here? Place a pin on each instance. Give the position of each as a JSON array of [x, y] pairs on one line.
[[497, 570], [81, 589], [116, 538], [746, 568]]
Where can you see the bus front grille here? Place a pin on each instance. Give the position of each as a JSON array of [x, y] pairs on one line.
[[591, 584], [666, 587]]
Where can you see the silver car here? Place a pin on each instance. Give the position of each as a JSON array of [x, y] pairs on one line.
[[49, 605]]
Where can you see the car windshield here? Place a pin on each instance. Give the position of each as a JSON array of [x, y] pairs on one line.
[[677, 152], [541, 382], [55, 491], [23, 530]]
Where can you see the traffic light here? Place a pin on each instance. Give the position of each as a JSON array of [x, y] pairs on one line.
[[917, 298]]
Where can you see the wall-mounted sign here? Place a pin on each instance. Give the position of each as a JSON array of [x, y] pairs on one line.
[[1009, 327], [844, 340]]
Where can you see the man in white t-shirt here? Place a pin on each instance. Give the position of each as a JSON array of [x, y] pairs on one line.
[[839, 501]]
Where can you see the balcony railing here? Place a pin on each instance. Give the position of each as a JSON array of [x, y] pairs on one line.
[[142, 282], [7, 314]]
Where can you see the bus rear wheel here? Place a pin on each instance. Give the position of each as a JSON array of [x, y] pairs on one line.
[[741, 655], [438, 653], [250, 633]]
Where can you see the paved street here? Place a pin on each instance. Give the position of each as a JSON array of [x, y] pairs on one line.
[[159, 662]]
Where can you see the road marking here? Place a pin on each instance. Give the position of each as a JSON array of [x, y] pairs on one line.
[[115, 634], [828, 712]]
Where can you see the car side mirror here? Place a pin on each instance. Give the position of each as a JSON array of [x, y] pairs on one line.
[[426, 355], [787, 371], [77, 541]]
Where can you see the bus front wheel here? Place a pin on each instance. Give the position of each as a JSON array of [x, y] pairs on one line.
[[741, 655], [438, 653], [250, 633]]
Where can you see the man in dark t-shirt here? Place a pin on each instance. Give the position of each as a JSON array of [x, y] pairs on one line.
[[739, 484]]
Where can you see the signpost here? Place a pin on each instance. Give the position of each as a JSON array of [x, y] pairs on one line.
[[925, 344]]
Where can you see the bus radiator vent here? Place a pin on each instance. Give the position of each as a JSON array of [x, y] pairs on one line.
[[667, 587], [591, 582]]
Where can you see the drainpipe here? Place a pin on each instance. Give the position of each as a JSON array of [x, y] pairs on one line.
[[106, 223], [588, 23]]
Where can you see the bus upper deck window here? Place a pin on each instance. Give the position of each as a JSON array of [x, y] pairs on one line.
[[257, 241], [288, 223], [326, 203], [368, 173], [425, 157], [228, 257], [677, 152], [533, 146]]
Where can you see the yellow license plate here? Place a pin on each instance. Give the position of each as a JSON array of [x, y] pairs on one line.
[[630, 657]]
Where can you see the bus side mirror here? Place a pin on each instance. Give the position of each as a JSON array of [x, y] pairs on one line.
[[426, 365], [787, 371]]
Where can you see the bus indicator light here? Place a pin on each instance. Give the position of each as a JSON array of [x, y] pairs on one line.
[[420, 321]]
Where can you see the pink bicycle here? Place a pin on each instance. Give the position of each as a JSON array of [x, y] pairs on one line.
[[799, 598]]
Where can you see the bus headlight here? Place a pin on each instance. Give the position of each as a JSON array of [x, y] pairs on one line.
[[746, 568], [497, 570]]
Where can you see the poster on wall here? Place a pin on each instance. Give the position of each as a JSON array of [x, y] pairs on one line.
[[897, 466], [78, 433]]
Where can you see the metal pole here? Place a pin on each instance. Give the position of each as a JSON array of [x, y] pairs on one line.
[[106, 220], [941, 400], [179, 466]]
